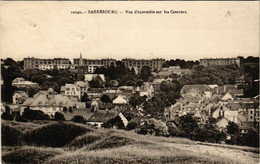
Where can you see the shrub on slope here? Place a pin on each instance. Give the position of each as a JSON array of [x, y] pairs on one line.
[[29, 155], [55, 134], [10, 135], [111, 142], [84, 140]]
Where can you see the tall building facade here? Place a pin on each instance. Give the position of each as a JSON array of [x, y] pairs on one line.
[[139, 63], [43, 64], [92, 64], [219, 61]]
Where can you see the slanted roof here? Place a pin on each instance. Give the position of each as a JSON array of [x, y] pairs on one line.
[[212, 86], [57, 100], [85, 112], [222, 123], [102, 116], [202, 88], [120, 100], [89, 77], [233, 106], [28, 102]]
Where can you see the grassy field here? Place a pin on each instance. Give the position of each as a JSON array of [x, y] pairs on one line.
[[118, 146]]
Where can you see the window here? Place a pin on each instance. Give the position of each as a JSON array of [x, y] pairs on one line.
[[60, 103]]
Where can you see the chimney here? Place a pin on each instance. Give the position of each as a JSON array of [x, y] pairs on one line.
[[225, 88]]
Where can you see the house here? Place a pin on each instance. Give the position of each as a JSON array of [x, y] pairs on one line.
[[240, 81], [222, 123], [85, 112], [19, 97], [227, 97], [19, 82], [231, 116], [195, 90], [95, 92], [83, 86], [156, 85], [231, 89], [98, 118], [120, 100], [219, 112], [172, 112], [50, 103], [72, 91], [99, 77], [146, 90], [212, 86]]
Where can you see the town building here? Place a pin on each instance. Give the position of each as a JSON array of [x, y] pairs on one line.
[[195, 90], [20, 82], [146, 90], [154, 64], [50, 103], [173, 70], [72, 91], [92, 64], [19, 97], [219, 61], [44, 64]]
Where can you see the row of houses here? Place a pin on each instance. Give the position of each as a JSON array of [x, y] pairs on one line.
[[222, 103]]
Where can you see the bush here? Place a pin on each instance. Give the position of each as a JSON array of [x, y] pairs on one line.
[[154, 127], [114, 122], [7, 116], [21, 119], [29, 155], [79, 119], [59, 116], [84, 140], [55, 134], [10, 135], [35, 115]]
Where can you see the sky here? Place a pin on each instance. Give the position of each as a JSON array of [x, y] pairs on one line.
[[209, 29]]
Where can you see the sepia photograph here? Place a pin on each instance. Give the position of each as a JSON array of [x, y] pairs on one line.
[[129, 82]]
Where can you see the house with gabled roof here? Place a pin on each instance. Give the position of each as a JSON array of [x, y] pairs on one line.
[[90, 77], [222, 123], [49, 103], [120, 100], [98, 118], [227, 97]]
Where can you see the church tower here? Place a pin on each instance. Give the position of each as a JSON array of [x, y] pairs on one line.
[[80, 60]]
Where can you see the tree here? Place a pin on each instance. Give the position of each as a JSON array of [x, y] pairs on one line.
[[145, 73], [35, 115], [7, 116], [85, 98], [167, 86], [114, 122], [232, 128], [106, 99], [59, 116], [79, 119]]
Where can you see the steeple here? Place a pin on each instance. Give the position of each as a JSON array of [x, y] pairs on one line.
[[80, 60]]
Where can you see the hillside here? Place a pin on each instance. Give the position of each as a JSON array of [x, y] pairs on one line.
[[112, 146]]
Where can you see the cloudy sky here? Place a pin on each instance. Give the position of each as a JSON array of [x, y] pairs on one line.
[[209, 29]]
